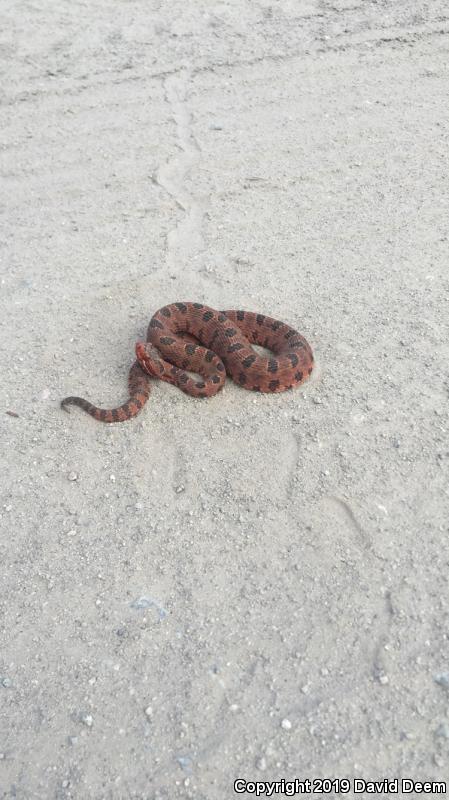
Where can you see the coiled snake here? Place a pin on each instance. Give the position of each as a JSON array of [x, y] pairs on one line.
[[197, 338]]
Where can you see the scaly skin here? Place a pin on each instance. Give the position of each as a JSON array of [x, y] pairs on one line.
[[139, 392], [197, 338]]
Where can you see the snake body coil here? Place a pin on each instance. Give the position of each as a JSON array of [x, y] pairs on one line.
[[193, 337]]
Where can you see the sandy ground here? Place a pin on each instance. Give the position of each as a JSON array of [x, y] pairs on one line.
[[248, 586]]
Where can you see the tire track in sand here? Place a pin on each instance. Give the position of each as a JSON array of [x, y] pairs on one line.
[[185, 240]]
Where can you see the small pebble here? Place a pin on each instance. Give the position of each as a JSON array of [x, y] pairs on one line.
[[149, 711], [261, 763], [286, 725], [443, 730], [185, 762], [442, 679], [383, 679], [72, 476], [180, 489], [87, 719], [438, 760], [6, 682]]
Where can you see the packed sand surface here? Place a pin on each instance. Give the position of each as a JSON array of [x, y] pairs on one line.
[[249, 586]]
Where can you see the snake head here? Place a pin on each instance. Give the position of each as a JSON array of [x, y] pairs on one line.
[[149, 358]]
